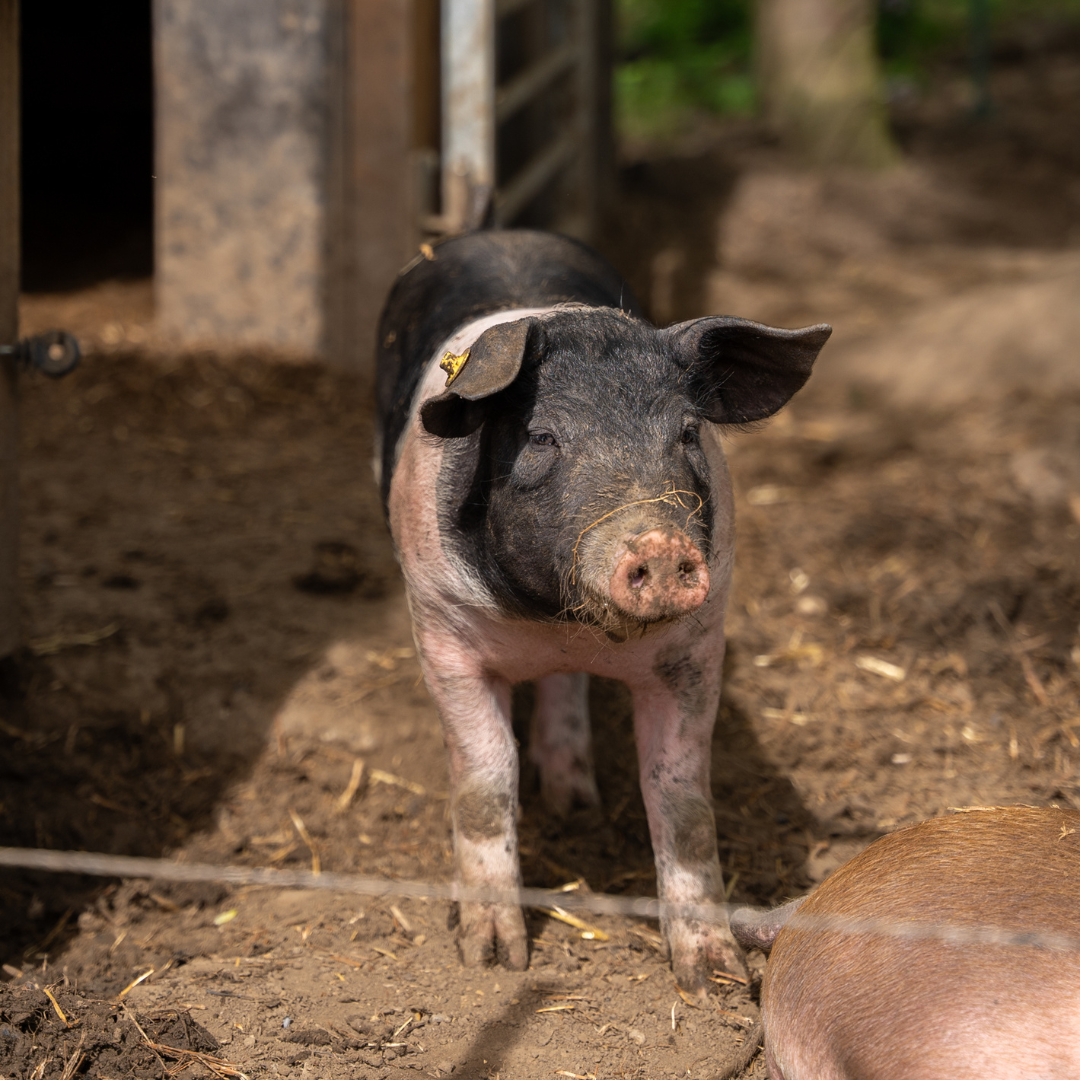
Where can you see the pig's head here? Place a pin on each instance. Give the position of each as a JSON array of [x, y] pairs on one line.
[[581, 477]]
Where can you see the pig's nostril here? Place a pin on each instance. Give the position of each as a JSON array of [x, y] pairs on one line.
[[659, 574]]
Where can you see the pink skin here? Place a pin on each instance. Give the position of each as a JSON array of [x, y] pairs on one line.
[[659, 574], [866, 1006], [471, 654], [560, 743]]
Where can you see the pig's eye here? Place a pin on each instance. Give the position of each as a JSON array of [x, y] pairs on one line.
[[691, 437], [542, 438]]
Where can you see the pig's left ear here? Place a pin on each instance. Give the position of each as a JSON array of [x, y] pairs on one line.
[[493, 364], [745, 370]]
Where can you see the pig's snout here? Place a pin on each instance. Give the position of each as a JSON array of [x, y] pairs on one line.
[[660, 574]]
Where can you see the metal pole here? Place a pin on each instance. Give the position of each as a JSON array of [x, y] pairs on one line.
[[468, 110]]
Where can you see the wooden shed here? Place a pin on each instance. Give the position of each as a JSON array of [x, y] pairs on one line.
[[304, 148], [277, 161]]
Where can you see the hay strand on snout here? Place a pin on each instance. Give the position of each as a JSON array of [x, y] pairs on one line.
[[670, 498]]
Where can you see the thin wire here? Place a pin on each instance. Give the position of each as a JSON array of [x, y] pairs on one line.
[[642, 907]]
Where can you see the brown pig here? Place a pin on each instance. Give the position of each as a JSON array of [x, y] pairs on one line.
[[949, 950]]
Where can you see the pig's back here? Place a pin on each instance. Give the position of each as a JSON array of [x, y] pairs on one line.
[[878, 1006], [469, 277]]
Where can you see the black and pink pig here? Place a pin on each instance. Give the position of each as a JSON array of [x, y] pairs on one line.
[[560, 504]]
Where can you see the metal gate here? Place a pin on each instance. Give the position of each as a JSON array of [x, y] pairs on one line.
[[523, 104]]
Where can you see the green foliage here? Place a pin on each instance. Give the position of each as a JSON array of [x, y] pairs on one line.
[[678, 58], [673, 27], [911, 32], [681, 57]]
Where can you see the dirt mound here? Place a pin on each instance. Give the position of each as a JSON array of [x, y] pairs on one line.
[[795, 224], [56, 1033], [990, 341]]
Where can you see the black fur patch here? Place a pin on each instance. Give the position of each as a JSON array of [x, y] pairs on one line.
[[472, 276], [685, 679], [694, 827]]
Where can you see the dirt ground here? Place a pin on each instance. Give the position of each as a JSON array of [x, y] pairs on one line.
[[217, 633]]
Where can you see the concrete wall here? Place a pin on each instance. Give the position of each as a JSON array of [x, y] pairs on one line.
[[244, 99], [284, 197]]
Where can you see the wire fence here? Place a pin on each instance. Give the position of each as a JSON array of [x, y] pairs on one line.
[[580, 900]]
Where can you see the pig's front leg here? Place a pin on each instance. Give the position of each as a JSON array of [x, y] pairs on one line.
[[560, 743], [674, 712], [475, 711]]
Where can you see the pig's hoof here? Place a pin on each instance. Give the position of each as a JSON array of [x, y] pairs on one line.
[[488, 934], [565, 793], [695, 954]]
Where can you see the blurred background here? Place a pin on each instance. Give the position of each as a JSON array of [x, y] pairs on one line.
[[159, 143], [157, 146], [201, 621]]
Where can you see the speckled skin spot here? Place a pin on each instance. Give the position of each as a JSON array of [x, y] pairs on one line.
[[685, 679], [481, 812], [694, 828]]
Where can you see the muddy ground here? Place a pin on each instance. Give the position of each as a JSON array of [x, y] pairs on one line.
[[217, 634]]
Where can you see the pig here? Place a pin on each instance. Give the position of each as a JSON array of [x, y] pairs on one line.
[[560, 506], [906, 1001]]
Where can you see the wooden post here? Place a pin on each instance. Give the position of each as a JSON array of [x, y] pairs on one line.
[[9, 325], [377, 210], [604, 184]]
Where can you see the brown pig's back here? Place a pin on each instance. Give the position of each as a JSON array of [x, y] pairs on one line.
[[841, 1005]]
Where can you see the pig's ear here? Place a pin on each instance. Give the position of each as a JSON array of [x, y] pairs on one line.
[[493, 364], [745, 370]]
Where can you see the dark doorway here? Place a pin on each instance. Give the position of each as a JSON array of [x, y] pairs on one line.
[[87, 142]]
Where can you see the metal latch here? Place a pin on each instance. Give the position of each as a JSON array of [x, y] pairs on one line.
[[54, 353]]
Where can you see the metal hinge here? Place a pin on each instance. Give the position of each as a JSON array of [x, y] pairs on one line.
[[54, 353]]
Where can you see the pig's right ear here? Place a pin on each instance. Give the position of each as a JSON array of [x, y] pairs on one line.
[[493, 364], [745, 370]]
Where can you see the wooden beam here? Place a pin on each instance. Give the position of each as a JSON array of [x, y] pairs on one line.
[[9, 324], [534, 80], [377, 209]]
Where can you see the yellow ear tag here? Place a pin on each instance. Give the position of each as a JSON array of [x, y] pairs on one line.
[[452, 365]]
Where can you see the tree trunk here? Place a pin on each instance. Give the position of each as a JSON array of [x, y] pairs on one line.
[[819, 80]]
